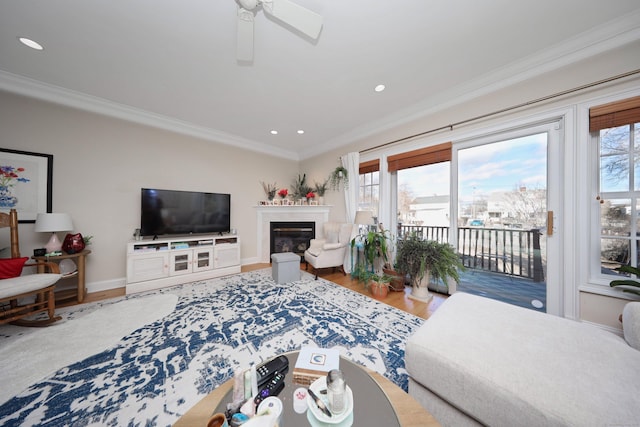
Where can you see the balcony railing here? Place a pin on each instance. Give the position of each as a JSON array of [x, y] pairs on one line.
[[508, 251]]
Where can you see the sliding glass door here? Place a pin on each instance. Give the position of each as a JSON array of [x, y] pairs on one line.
[[507, 197]]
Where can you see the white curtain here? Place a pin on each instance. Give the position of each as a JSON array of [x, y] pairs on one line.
[[351, 162]]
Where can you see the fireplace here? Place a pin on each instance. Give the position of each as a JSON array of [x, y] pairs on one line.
[[291, 236], [267, 214]]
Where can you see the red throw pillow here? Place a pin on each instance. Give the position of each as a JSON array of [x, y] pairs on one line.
[[11, 267]]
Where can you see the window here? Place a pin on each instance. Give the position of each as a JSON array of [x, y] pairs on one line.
[[369, 187], [423, 195], [423, 200], [615, 128], [619, 196]]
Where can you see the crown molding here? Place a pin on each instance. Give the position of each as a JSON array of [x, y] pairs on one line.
[[608, 36], [55, 94]]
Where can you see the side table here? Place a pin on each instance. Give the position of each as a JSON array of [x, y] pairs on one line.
[[377, 401], [79, 259]]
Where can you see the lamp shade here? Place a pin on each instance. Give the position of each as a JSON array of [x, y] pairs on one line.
[[364, 218], [52, 222]]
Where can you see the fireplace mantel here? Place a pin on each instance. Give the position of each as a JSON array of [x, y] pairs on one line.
[[267, 214]]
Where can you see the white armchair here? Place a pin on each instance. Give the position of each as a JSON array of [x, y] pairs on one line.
[[331, 249]]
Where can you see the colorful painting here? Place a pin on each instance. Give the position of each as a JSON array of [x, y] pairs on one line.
[[25, 183]]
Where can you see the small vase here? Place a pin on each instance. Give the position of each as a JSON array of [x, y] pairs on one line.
[[73, 243], [7, 200]]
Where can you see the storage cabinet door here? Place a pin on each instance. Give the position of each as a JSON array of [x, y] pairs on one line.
[[147, 267], [180, 262], [226, 255], [202, 259]]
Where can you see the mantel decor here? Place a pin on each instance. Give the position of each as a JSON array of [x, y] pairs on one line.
[[25, 183]]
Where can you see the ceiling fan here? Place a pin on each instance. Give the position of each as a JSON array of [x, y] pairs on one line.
[[298, 17]]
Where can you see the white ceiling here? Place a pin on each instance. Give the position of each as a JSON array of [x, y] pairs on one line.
[[172, 63]]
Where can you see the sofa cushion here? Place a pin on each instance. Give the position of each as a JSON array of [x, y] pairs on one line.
[[11, 267], [631, 324], [506, 365]]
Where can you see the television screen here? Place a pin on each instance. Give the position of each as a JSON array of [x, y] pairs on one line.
[[184, 212]]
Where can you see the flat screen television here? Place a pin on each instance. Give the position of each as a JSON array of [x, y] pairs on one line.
[[170, 212]]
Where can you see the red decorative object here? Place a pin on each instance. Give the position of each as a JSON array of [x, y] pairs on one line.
[[73, 243]]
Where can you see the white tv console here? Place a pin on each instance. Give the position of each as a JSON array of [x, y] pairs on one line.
[[153, 264]]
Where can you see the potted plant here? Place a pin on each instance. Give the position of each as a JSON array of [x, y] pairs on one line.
[[635, 286], [269, 189], [379, 285], [397, 283], [375, 248], [398, 280], [299, 187], [426, 259], [320, 189], [339, 176]]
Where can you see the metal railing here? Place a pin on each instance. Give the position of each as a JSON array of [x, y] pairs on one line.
[[501, 250]]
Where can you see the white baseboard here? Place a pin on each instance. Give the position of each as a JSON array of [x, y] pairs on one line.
[[106, 285], [248, 261]]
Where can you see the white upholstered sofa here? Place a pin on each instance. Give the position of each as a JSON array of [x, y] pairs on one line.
[[477, 361]]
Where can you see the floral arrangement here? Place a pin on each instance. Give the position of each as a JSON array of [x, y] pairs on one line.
[[310, 195], [321, 188], [283, 192], [269, 189], [9, 174]]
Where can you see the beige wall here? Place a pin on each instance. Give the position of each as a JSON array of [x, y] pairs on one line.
[[101, 163]]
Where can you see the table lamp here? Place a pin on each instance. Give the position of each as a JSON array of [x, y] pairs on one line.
[[52, 223], [364, 218]]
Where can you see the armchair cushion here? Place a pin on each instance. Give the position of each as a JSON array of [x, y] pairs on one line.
[[27, 283], [330, 246], [11, 267], [332, 231]]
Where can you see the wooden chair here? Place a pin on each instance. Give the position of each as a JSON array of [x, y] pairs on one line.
[[17, 294]]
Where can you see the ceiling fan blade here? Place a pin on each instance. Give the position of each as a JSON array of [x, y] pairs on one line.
[[244, 47], [300, 18]]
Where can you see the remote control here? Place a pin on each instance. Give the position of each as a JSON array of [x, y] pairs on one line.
[[271, 388], [268, 369]]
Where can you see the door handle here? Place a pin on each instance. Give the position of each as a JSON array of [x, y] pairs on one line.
[[549, 223]]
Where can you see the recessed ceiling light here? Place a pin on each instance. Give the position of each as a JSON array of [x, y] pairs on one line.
[[379, 88], [274, 132], [300, 131], [32, 44]]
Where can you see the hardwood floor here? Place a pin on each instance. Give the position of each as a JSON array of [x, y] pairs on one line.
[[398, 300]]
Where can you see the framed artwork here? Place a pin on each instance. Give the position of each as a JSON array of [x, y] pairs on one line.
[[25, 183]]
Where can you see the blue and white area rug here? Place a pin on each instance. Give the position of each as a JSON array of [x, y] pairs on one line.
[[156, 373]]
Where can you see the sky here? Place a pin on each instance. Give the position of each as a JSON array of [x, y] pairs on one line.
[[500, 166]]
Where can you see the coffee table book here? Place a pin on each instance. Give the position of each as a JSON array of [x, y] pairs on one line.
[[314, 363]]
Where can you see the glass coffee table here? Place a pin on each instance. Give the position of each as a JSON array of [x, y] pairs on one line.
[[376, 401]]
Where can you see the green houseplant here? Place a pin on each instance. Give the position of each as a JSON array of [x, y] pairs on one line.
[[426, 259], [339, 176], [635, 285], [375, 248], [379, 285], [299, 187]]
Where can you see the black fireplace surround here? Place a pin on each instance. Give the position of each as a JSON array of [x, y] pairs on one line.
[[291, 237]]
